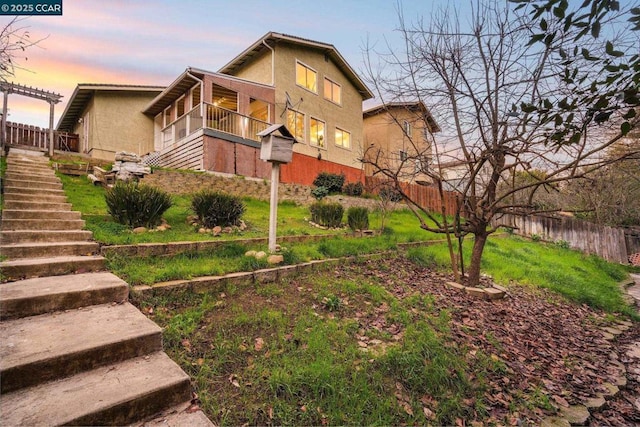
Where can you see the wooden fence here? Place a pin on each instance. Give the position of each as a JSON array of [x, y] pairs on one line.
[[427, 197], [33, 136], [612, 244]]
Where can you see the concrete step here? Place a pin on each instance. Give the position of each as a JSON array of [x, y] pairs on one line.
[[117, 394], [26, 171], [48, 249], [42, 224], [28, 183], [50, 177], [32, 297], [13, 204], [39, 214], [12, 195], [177, 416], [24, 236], [37, 349], [55, 266], [20, 189]]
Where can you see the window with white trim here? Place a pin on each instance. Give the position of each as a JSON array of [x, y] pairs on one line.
[[343, 138], [295, 124], [332, 91], [306, 77], [406, 126], [167, 116], [316, 132], [180, 108]]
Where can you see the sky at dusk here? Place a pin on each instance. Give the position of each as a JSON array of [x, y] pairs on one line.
[[151, 42]]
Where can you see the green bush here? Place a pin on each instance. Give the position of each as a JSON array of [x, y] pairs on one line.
[[217, 209], [136, 205], [327, 214], [331, 181], [353, 189], [358, 218], [320, 192]]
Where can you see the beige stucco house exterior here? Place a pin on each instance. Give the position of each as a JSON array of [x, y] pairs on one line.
[[109, 118], [399, 136]]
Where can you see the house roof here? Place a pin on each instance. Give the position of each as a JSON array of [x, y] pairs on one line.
[[408, 105], [180, 85], [83, 94], [273, 38]]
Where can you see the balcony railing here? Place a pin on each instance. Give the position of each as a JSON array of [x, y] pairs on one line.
[[216, 118]]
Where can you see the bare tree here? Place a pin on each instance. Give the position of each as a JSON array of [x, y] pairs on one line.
[[487, 83], [14, 41]]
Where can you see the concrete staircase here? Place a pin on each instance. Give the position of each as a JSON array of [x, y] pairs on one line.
[[73, 351]]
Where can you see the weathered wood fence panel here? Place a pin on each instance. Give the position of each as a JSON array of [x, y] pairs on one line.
[[189, 154], [607, 242], [425, 196], [33, 136]]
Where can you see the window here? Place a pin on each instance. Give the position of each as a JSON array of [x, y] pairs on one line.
[[406, 126], [295, 124], [316, 132], [180, 108], [167, 116], [195, 96], [343, 138], [306, 77], [332, 91], [403, 156]]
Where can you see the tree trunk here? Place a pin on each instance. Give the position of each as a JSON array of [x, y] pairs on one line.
[[476, 259]]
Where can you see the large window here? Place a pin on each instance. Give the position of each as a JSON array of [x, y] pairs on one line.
[[306, 77], [316, 132], [295, 124], [332, 91], [343, 138]]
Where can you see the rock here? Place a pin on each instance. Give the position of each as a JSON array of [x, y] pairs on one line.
[[613, 331], [611, 390], [227, 230], [202, 230], [242, 225], [140, 230], [607, 336], [455, 285], [124, 156], [595, 403], [633, 350], [275, 259], [161, 228], [250, 253], [576, 415], [476, 292], [554, 422], [216, 230], [260, 255], [493, 293]]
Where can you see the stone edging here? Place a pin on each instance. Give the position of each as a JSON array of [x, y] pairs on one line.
[[493, 293]]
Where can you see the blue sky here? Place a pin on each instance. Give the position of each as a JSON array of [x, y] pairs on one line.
[[152, 42]]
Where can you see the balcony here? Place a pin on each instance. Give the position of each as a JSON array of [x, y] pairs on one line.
[[215, 118]]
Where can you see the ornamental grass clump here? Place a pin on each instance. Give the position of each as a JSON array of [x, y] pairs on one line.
[[137, 205], [358, 218], [217, 209], [327, 214]]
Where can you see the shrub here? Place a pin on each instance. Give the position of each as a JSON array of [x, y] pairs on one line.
[[331, 181], [353, 189], [327, 214], [217, 209], [320, 192], [358, 218], [388, 193], [136, 205]]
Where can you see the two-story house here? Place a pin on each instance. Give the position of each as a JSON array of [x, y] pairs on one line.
[[398, 137]]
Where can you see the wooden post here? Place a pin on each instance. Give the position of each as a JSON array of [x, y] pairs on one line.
[[51, 104], [4, 123], [273, 205]]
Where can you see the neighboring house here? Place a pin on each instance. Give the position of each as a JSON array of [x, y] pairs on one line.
[[398, 134], [208, 121], [109, 118]]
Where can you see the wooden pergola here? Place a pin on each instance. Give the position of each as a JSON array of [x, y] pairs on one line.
[[51, 97]]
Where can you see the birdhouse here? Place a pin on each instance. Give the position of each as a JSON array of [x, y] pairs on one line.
[[277, 144]]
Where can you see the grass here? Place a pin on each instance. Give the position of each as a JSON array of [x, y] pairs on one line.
[[292, 219], [581, 278], [290, 354]]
